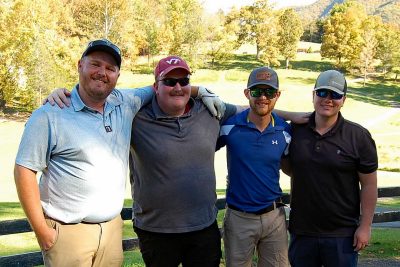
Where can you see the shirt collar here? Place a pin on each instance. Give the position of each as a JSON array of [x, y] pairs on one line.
[[333, 130], [111, 102], [159, 114], [242, 119]]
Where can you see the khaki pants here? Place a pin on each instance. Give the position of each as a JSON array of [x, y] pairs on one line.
[[246, 233], [86, 244]]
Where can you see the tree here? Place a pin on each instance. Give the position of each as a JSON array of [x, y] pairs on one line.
[[220, 38], [342, 39], [313, 31], [257, 24], [388, 48], [183, 31], [370, 26], [36, 55], [115, 20], [290, 30], [8, 72]]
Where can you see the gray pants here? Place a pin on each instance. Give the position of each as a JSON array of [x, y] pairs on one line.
[[246, 233]]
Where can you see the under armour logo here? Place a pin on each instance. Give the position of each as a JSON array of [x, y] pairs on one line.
[[338, 151], [108, 129], [274, 142], [173, 61]]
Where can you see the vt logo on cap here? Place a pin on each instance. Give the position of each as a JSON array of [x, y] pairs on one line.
[[167, 64], [173, 61], [264, 75]]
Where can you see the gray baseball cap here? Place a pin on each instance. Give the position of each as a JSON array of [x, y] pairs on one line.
[[263, 75], [331, 80]]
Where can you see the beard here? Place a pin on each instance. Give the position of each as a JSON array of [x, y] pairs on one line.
[[265, 110]]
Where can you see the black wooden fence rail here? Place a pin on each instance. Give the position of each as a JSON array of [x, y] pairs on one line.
[[35, 258]]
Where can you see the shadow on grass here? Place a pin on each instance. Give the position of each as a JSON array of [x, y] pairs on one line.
[[239, 62], [15, 113], [308, 65], [11, 210], [300, 80], [382, 94], [249, 62]]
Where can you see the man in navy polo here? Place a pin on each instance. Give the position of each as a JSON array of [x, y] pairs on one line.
[[256, 140], [333, 163]]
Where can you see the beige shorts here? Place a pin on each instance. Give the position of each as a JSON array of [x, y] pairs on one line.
[[86, 244], [244, 234]]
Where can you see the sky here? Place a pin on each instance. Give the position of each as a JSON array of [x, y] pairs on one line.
[[213, 6]]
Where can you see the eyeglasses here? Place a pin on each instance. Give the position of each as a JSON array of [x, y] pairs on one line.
[[172, 81], [323, 93], [268, 92]]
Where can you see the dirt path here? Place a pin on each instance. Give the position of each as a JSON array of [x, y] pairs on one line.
[[379, 119], [378, 262]]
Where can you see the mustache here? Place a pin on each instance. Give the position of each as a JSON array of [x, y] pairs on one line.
[[177, 93], [100, 77]]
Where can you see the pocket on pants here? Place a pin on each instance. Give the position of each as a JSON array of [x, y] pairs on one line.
[[56, 226]]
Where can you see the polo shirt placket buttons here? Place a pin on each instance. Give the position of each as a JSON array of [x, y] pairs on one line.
[[317, 146]]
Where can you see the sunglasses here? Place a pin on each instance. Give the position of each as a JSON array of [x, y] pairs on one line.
[[172, 81], [269, 93], [323, 93]]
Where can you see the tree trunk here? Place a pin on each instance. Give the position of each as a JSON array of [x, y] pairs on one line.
[[287, 63], [258, 52], [365, 77]]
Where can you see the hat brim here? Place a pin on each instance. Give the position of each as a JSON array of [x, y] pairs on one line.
[[263, 83], [167, 70], [107, 49], [330, 88]]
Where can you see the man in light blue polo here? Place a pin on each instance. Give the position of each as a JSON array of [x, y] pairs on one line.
[[82, 152]]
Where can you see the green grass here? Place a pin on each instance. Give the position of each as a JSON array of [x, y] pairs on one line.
[[237, 76], [390, 203], [385, 243], [377, 92], [367, 106], [11, 211], [201, 76]]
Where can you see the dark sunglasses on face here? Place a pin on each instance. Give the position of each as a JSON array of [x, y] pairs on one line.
[[172, 81], [269, 93], [323, 93]]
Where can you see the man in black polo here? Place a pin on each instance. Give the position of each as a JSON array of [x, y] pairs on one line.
[[330, 158]]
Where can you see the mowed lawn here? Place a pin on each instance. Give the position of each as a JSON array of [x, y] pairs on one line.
[[370, 107]]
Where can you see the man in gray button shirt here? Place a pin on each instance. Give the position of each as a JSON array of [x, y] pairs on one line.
[[173, 182]]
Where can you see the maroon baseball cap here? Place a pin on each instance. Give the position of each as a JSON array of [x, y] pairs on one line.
[[169, 63]]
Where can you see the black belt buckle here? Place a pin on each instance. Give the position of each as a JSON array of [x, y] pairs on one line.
[[276, 204]]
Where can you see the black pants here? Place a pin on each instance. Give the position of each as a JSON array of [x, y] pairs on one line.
[[193, 249]]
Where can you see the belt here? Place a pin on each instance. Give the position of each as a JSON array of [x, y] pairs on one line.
[[63, 223], [276, 204]]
